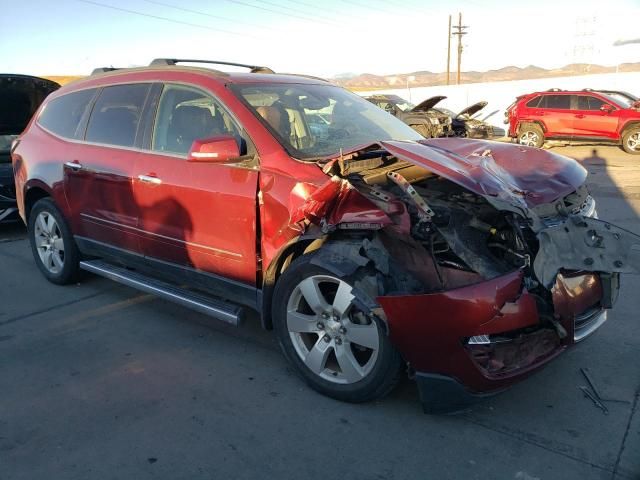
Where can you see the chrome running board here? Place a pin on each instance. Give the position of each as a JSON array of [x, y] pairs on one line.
[[219, 309]]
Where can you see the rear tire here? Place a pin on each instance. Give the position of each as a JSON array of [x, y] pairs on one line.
[[531, 135], [54, 250], [631, 141], [337, 349]]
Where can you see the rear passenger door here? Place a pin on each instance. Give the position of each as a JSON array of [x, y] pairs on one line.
[[98, 180], [555, 112], [197, 215]]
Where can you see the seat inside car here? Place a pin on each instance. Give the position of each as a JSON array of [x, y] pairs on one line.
[[189, 123], [277, 117]]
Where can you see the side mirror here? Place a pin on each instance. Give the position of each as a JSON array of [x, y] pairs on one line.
[[606, 108], [218, 149]]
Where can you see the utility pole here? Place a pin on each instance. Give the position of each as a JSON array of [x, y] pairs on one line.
[[449, 52], [461, 30]]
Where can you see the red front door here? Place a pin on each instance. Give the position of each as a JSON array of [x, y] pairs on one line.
[[591, 121], [200, 215]]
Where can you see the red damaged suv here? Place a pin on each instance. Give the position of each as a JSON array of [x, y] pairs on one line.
[[603, 116], [370, 251]]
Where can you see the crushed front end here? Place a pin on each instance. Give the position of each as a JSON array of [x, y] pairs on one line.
[[481, 279]]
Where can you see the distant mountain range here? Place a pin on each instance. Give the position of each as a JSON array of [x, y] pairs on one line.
[[368, 81]]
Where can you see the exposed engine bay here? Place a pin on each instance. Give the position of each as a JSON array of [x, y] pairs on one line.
[[445, 235]]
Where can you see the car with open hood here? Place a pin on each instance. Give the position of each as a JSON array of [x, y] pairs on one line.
[[371, 251], [465, 124], [423, 118], [20, 96]]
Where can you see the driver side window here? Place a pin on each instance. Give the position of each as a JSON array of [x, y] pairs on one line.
[[186, 114]]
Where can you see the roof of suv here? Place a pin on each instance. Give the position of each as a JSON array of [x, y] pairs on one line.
[[226, 77]]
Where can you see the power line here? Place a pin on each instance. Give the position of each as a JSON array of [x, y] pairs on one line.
[[206, 14], [306, 4], [297, 10], [238, 2], [357, 4], [158, 17]]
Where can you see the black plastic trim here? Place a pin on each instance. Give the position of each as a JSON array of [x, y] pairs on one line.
[[440, 394]]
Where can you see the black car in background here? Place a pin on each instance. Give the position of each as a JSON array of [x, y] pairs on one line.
[[423, 118], [463, 124], [20, 96]]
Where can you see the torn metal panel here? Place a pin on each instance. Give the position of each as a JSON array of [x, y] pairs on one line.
[[575, 293], [586, 244], [522, 176]]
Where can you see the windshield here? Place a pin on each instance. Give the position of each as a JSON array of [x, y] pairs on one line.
[[618, 99], [446, 111], [316, 121], [404, 105]]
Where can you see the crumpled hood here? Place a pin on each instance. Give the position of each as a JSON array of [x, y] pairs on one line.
[[428, 104], [472, 109], [522, 176]]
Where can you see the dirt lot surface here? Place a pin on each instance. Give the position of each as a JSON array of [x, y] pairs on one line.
[[99, 381]]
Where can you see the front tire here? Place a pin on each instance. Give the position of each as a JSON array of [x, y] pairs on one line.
[[531, 136], [631, 141], [339, 350], [54, 250]]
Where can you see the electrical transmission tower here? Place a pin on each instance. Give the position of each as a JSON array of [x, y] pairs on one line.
[[584, 46]]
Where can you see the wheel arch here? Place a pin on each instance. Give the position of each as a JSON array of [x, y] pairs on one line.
[[339, 257], [523, 123], [293, 249], [627, 126], [34, 191]]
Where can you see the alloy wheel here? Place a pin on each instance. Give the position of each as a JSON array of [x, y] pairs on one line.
[[529, 139], [633, 142], [331, 336], [49, 243]]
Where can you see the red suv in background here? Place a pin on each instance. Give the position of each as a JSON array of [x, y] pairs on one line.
[[368, 249], [587, 115]]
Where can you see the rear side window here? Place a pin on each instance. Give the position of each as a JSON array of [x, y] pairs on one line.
[[116, 115], [561, 102], [63, 115], [589, 103]]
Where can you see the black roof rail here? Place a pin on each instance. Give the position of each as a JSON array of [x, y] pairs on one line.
[[174, 61], [103, 70]]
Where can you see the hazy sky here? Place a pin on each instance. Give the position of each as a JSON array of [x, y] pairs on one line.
[[310, 36]]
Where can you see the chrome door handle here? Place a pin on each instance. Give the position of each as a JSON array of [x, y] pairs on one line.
[[149, 179], [73, 165]]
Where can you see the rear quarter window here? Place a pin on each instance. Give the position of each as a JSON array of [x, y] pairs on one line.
[[533, 103], [63, 115], [116, 115]]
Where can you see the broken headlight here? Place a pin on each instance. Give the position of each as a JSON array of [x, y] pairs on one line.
[[587, 209]]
